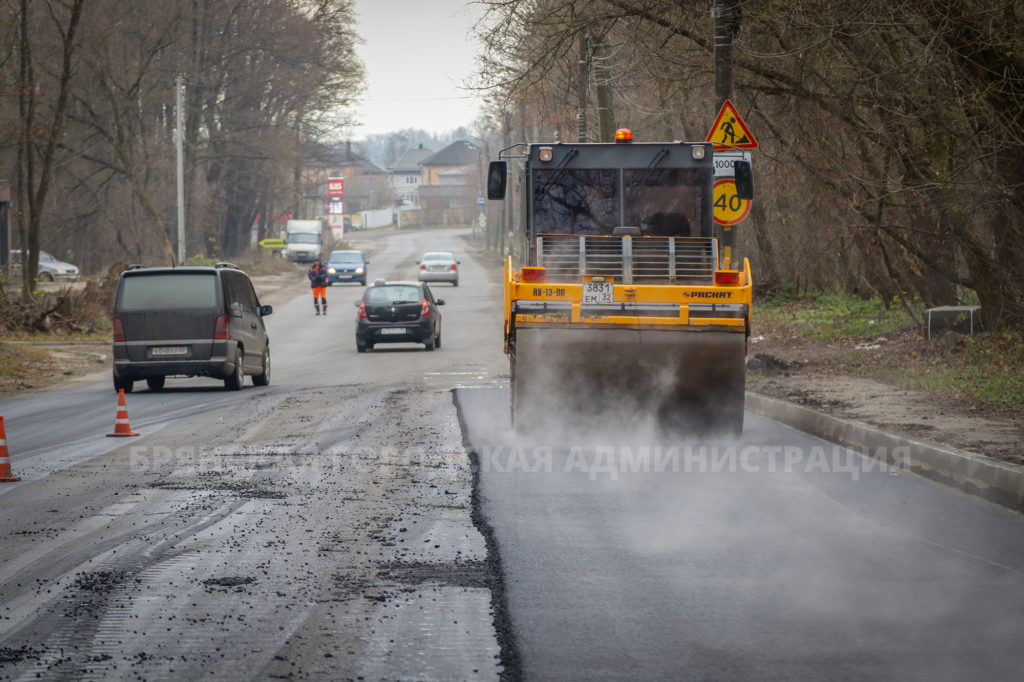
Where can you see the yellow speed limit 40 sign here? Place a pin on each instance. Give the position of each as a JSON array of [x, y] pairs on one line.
[[729, 208]]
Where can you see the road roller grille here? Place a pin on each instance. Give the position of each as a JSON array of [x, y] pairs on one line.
[[647, 260]]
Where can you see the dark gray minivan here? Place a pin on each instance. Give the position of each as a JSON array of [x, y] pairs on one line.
[[189, 321]]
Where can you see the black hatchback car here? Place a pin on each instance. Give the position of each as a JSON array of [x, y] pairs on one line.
[[398, 312], [189, 321]]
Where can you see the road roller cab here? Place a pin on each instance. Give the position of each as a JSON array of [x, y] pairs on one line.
[[624, 307]]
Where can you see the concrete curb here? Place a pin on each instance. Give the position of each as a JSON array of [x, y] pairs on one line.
[[973, 474]]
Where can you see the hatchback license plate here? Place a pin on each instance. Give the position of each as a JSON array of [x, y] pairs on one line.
[[393, 330], [170, 350]]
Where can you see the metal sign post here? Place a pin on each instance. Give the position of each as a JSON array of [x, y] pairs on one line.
[[5, 229], [179, 135]]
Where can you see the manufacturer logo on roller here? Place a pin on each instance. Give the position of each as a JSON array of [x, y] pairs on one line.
[[709, 294]]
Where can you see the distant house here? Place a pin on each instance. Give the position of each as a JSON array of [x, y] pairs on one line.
[[367, 185], [450, 177], [406, 174], [456, 155]]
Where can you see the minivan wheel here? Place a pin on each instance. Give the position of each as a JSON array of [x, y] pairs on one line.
[[263, 378], [155, 383], [234, 382], [123, 384]]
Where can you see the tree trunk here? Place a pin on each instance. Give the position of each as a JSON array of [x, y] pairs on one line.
[[34, 189]]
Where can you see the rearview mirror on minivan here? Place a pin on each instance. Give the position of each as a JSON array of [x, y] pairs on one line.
[[266, 310], [497, 173]]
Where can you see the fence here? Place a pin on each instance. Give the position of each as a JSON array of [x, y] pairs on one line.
[[430, 217]]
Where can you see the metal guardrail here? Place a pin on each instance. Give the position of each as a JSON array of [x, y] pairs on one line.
[[629, 260]]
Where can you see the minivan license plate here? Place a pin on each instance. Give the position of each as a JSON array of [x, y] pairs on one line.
[[393, 330], [169, 350]]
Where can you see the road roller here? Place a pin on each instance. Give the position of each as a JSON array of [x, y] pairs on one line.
[[626, 307]]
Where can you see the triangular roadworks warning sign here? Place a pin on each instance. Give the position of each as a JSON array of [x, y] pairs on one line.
[[729, 131]]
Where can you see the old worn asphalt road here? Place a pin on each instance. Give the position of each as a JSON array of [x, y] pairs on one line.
[[317, 528], [333, 526]]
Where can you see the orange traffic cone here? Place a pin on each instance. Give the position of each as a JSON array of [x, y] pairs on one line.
[[121, 425], [6, 475]]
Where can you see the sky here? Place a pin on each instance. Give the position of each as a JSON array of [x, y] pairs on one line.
[[417, 53]]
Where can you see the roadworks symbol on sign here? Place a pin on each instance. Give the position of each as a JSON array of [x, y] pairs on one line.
[[730, 131]]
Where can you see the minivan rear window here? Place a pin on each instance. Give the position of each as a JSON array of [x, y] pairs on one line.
[[163, 292]]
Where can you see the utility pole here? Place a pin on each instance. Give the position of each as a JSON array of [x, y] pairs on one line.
[[726, 14], [603, 82], [179, 136], [582, 88], [727, 21]]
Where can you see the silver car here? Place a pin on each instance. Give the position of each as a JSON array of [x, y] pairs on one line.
[[50, 269], [439, 266]]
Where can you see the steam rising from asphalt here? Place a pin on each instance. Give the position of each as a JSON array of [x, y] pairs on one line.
[[573, 385], [791, 563]]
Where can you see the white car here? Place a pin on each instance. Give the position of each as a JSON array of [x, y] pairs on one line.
[[50, 269], [439, 266]]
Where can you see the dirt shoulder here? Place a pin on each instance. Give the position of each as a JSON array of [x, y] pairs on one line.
[[842, 380]]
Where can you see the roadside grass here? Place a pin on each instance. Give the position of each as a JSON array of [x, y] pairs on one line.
[[986, 368], [832, 317], [887, 344]]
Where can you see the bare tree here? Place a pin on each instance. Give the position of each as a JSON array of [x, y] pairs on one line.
[[41, 125], [255, 109]]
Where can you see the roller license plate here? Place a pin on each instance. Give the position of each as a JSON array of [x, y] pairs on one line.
[[169, 350], [598, 292], [392, 330]]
